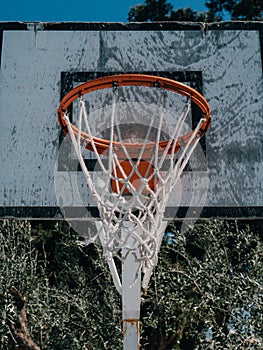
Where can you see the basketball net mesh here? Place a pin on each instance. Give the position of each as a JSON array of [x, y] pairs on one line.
[[139, 195]]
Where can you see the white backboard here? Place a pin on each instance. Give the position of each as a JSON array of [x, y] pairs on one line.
[[41, 62]]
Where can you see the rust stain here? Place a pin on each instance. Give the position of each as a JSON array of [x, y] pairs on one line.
[[132, 322]]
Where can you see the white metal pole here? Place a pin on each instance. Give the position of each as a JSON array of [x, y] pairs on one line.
[[131, 298]]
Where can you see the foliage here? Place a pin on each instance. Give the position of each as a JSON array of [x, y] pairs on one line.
[[237, 9], [187, 15], [68, 306], [160, 10], [206, 292], [248, 10], [153, 10]]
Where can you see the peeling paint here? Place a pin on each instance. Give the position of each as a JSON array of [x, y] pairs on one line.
[[228, 57]]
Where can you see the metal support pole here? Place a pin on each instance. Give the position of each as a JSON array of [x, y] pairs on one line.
[[131, 299]]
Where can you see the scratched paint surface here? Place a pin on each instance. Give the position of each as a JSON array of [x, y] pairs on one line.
[[231, 66]]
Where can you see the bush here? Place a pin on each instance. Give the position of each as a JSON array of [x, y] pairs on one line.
[[206, 292], [66, 288]]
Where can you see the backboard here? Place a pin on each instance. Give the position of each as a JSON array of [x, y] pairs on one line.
[[41, 62]]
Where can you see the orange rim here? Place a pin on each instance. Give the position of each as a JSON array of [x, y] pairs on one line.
[[151, 81]]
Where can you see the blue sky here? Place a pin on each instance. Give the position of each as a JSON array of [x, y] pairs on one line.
[[85, 10]]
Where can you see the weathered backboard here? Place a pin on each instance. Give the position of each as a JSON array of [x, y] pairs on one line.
[[41, 62]]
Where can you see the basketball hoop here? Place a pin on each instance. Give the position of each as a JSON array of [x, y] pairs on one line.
[[138, 178], [116, 81]]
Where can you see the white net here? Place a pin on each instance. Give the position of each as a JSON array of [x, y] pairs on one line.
[[137, 174]]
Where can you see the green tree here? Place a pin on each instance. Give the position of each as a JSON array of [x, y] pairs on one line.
[[56, 295], [188, 15], [207, 290], [237, 9], [152, 10], [249, 10], [53, 293], [217, 9], [160, 10]]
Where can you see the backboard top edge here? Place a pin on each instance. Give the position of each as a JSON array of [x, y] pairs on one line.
[[130, 26]]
